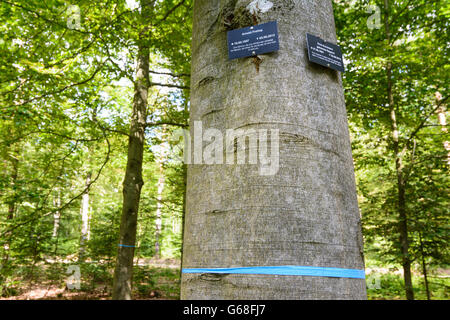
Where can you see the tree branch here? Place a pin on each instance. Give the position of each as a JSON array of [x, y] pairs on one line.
[[180, 75], [64, 88], [169, 85], [422, 124], [169, 123], [169, 13]]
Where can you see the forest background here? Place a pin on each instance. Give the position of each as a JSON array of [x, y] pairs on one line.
[[67, 84]]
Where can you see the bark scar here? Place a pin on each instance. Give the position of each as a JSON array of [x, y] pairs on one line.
[[257, 61], [212, 276], [205, 81]]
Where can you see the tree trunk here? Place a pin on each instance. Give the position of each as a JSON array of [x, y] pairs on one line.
[[85, 219], [424, 268], [401, 183], [14, 159], [158, 222], [159, 197], [14, 175], [304, 214], [57, 214], [133, 182]]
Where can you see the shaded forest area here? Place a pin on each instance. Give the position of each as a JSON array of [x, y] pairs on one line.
[[75, 123]]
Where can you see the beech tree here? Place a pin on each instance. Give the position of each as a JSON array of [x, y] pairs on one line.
[[306, 213]]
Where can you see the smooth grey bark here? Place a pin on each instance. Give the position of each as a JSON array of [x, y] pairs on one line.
[[133, 182], [305, 215]]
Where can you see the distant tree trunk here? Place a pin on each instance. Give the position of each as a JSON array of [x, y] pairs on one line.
[[306, 213], [133, 182], [85, 219], [424, 268], [57, 214], [158, 222], [14, 175], [401, 183], [12, 203], [159, 197]]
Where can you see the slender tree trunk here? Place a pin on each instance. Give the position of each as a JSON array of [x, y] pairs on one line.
[[12, 203], [306, 213], [85, 219], [158, 222], [401, 183], [57, 214], [14, 175], [424, 268], [159, 197], [133, 182]]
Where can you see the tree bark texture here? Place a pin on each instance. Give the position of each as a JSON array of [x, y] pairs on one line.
[[305, 215]]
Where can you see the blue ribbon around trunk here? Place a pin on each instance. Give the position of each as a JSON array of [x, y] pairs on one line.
[[286, 271]]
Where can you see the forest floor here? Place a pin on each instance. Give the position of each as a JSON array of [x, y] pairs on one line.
[[154, 279], [159, 279]]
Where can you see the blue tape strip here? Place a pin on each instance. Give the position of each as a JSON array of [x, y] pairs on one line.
[[125, 246], [286, 271]]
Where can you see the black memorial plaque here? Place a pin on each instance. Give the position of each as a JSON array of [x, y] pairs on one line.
[[324, 53], [251, 41]]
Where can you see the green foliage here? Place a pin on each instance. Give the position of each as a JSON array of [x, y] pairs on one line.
[[65, 105], [65, 99]]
